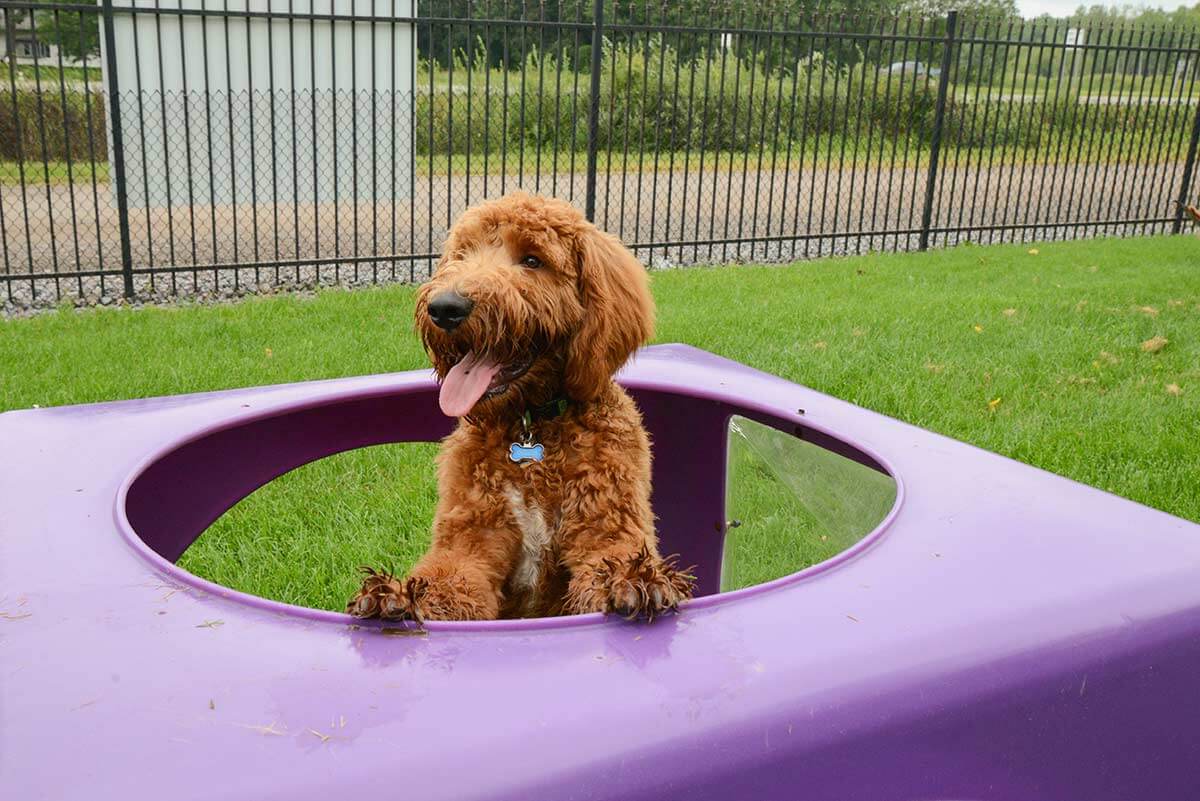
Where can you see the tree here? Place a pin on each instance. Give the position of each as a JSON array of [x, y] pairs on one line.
[[513, 43], [76, 34], [990, 9]]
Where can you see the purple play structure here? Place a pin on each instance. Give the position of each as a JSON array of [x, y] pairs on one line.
[[1002, 634]]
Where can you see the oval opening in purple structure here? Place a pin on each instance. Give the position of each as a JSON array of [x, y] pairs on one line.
[[744, 493]]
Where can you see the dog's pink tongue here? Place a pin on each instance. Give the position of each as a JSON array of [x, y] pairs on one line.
[[465, 384]]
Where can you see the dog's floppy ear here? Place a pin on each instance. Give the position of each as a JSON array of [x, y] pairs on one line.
[[618, 313]]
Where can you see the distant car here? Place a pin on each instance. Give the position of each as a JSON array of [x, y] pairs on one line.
[[910, 68]]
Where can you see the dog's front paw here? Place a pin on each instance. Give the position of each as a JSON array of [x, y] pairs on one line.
[[420, 598], [644, 585], [382, 595]]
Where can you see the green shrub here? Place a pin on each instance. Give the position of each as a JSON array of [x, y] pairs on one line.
[[651, 101], [43, 130]]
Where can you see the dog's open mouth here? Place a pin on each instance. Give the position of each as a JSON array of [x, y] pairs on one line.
[[476, 377]]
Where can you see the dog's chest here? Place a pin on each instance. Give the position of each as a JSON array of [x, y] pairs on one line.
[[537, 527]]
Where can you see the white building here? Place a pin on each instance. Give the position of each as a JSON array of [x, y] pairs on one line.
[[233, 109], [29, 47]]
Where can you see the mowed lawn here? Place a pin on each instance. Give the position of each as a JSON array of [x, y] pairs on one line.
[[1081, 358]]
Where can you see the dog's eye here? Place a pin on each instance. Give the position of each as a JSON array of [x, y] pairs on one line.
[[531, 261]]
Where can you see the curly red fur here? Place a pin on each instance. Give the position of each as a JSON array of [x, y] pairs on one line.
[[573, 533]]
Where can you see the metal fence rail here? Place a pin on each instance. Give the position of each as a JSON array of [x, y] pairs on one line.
[[171, 147]]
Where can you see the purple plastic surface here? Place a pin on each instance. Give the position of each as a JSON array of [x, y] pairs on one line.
[[1004, 634]]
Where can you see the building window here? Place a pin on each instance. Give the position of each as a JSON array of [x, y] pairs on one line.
[[32, 48]]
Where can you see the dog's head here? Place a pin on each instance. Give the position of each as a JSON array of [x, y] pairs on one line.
[[530, 302]]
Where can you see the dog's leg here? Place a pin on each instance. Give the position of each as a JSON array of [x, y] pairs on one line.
[[461, 576], [476, 544], [454, 584], [630, 583], [611, 550], [452, 581]]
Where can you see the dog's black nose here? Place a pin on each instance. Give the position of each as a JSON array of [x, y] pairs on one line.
[[449, 309]]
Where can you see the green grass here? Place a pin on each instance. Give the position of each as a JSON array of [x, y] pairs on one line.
[[824, 152], [1097, 85], [36, 172], [1015, 81], [49, 74], [1037, 357]]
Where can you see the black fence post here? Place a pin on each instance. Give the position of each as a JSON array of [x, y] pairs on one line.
[[935, 145], [1189, 167], [594, 109], [118, 146]]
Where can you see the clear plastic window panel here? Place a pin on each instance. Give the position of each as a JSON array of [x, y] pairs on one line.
[[792, 504]]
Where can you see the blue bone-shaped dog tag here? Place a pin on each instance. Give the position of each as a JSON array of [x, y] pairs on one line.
[[526, 453]]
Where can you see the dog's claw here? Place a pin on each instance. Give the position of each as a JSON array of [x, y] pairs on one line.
[[390, 609], [361, 606]]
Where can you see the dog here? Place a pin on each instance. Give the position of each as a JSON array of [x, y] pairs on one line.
[[544, 485]]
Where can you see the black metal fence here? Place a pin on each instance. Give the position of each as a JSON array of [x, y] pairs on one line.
[[159, 147]]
